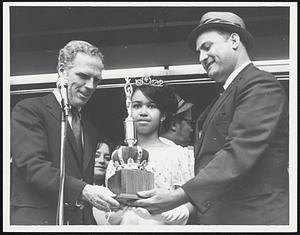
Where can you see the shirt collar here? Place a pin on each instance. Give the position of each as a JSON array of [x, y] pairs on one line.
[[234, 74], [58, 97]]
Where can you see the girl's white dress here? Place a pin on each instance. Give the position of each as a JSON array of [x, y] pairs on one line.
[[171, 165]]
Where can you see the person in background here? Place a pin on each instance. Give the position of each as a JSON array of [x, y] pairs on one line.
[[153, 105], [35, 147], [241, 139], [179, 132], [102, 158], [180, 128]]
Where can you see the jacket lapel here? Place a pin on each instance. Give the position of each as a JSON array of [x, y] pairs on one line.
[[225, 94], [212, 110], [198, 137], [216, 106], [53, 106], [55, 110]]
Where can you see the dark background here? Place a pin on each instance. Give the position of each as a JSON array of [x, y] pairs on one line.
[[130, 37]]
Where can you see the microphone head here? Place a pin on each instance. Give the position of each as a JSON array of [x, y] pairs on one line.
[[62, 82]]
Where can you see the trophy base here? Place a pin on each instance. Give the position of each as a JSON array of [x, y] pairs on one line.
[[123, 198], [127, 182], [126, 199]]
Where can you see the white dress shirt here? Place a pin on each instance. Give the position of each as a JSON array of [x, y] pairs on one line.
[[234, 74], [58, 98]]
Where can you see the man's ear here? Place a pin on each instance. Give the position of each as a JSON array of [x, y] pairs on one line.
[[61, 70], [235, 39]]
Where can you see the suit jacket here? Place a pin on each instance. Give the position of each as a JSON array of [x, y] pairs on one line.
[[35, 149], [241, 155]]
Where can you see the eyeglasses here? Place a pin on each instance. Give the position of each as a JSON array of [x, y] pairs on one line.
[[191, 122]]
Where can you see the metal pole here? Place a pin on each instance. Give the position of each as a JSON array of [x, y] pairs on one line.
[[60, 205]]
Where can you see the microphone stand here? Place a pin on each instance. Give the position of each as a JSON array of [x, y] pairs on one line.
[[63, 138]]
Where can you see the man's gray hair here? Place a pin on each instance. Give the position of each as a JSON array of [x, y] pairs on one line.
[[68, 53]]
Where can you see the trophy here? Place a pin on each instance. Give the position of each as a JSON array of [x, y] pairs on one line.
[[130, 161]]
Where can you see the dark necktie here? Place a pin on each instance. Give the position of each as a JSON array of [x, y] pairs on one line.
[[76, 126], [220, 88]]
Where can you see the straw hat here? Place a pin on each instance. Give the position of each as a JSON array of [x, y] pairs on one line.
[[221, 20]]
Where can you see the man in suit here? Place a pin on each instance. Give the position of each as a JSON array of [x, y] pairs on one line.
[[241, 139], [35, 147], [180, 129]]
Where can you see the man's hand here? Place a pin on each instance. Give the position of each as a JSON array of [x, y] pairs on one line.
[[100, 197], [160, 200]]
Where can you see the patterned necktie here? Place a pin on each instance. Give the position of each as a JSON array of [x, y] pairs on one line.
[[76, 126]]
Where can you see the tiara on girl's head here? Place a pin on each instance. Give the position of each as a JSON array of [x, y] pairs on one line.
[[148, 81]]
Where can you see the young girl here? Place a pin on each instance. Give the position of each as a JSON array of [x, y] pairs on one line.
[[153, 104], [102, 158]]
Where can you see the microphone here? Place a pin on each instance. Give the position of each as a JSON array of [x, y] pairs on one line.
[[62, 85]]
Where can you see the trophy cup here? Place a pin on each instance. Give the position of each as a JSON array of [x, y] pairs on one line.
[[130, 161]]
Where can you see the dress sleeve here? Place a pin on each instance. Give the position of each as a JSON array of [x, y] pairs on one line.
[[182, 166]]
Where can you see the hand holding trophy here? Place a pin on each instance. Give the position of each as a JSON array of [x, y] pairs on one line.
[[130, 161]]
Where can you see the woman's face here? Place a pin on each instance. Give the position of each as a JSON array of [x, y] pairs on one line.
[[102, 159], [145, 113]]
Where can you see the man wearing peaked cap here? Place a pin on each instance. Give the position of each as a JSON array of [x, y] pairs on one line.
[[181, 126], [241, 156], [179, 132]]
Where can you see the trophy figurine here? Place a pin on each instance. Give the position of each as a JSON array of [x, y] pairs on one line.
[[130, 161]]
